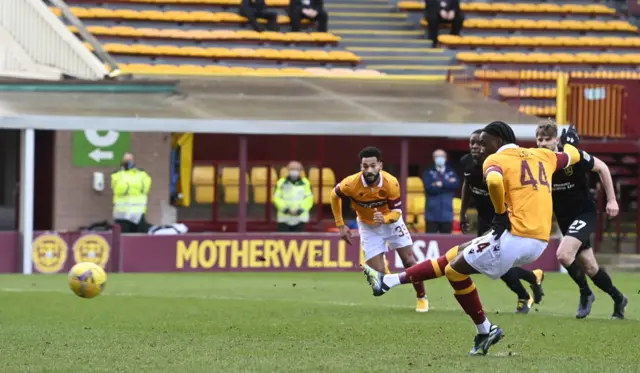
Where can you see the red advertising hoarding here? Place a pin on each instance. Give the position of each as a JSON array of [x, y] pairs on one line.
[[224, 252]]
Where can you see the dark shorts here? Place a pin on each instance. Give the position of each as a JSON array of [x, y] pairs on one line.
[[580, 227]]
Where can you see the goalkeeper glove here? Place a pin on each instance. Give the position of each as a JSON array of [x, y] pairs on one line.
[[570, 136], [500, 224]]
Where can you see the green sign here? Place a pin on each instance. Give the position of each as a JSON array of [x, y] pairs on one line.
[[99, 148]]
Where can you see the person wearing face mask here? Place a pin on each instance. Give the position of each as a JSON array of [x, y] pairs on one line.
[[293, 200], [441, 183], [130, 186]]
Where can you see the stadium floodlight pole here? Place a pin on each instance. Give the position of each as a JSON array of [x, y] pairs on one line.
[[26, 197]]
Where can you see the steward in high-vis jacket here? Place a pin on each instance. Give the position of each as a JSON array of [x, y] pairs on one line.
[[293, 199], [130, 186]]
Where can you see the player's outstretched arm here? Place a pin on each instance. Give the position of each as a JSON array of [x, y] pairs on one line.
[[605, 176]]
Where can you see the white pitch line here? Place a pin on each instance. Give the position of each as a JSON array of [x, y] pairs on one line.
[[297, 300]]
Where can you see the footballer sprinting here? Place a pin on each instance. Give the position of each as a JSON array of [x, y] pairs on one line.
[[519, 184], [474, 186], [575, 211], [375, 196]]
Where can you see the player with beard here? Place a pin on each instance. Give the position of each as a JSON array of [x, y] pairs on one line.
[[375, 196], [520, 192], [474, 186], [575, 211]]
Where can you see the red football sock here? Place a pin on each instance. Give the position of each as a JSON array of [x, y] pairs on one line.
[[420, 292], [426, 270], [467, 295]]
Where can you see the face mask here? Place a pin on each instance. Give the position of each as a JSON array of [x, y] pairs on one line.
[[127, 165], [294, 174], [440, 161]]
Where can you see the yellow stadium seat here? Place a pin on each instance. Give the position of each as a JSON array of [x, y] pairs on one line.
[[231, 176], [457, 203], [204, 194], [415, 185], [326, 194], [420, 223], [259, 183], [416, 203], [203, 175], [328, 177]]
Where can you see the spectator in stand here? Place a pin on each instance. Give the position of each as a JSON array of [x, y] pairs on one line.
[[293, 199], [439, 11], [308, 9], [440, 183], [254, 9]]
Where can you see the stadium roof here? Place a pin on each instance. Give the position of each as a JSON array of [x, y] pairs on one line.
[[269, 106]]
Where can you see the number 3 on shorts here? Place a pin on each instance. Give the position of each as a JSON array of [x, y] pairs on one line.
[[401, 230], [576, 226]]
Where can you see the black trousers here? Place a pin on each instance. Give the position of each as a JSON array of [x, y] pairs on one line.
[[253, 15], [432, 14], [439, 227], [297, 16], [283, 227], [129, 227]]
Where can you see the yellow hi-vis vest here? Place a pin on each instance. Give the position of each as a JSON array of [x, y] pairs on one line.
[[130, 189], [293, 195]]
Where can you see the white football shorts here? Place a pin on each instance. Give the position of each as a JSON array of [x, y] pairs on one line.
[[375, 238], [494, 258]]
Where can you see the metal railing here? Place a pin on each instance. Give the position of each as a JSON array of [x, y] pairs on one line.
[[47, 41]]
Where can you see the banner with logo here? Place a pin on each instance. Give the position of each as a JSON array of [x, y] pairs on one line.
[[275, 252], [57, 252]]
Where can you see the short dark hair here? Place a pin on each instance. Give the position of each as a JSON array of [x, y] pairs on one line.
[[476, 132], [501, 130], [371, 151]]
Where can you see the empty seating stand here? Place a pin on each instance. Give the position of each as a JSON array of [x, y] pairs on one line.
[[551, 42], [517, 8], [163, 37]]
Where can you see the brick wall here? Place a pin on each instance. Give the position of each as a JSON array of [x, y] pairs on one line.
[[75, 203]]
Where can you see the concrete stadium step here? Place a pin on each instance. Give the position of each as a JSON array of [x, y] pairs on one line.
[[384, 42], [399, 51], [365, 15], [352, 24], [374, 33]]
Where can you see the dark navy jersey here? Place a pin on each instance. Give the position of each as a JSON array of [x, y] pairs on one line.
[[570, 187], [475, 180]]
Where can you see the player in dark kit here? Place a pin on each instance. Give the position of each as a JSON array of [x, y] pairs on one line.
[[475, 185], [575, 211]]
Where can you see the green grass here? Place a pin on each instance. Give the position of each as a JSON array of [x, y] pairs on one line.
[[300, 322]]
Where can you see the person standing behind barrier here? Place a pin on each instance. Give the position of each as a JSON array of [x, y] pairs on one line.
[[440, 183], [130, 186], [293, 199]]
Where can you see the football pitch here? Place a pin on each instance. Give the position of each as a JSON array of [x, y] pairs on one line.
[[301, 322]]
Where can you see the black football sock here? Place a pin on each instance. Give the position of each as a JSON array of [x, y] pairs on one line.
[[579, 277], [603, 281], [526, 275], [513, 282]]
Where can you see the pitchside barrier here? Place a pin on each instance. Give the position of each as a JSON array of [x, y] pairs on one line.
[[57, 252]]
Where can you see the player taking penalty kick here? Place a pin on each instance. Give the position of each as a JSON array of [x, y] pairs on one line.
[[375, 195], [517, 179]]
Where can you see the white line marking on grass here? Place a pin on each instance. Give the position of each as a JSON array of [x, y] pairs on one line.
[[297, 300]]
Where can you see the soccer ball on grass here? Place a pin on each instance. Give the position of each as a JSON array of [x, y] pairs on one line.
[[87, 280]]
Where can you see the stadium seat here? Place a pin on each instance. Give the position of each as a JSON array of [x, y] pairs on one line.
[[415, 6], [415, 185], [230, 180], [541, 41], [259, 183], [232, 53], [529, 24], [550, 58], [204, 194], [417, 203], [328, 177], [457, 203], [203, 175], [328, 184], [420, 224]]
